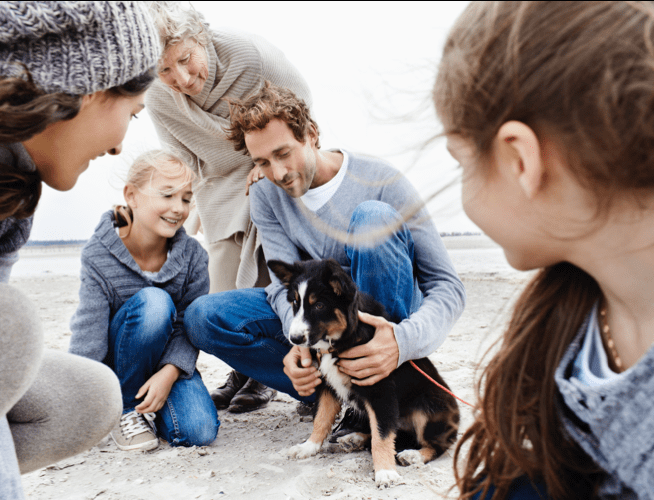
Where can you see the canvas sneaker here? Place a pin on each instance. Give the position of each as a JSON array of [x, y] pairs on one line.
[[135, 431]]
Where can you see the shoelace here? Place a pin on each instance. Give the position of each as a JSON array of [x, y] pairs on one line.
[[134, 423]]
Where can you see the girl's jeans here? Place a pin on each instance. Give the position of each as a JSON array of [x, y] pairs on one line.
[[241, 328], [138, 335]]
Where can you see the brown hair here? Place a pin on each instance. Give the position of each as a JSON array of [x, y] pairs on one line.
[[270, 103], [25, 110], [581, 73]]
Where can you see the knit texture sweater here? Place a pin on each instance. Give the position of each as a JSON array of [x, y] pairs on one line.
[[110, 276], [613, 423], [239, 64], [14, 233], [289, 232]]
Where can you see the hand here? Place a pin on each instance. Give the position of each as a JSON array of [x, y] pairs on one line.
[[255, 175], [298, 367], [157, 389], [369, 363]]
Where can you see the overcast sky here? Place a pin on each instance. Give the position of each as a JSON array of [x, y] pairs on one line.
[[370, 67]]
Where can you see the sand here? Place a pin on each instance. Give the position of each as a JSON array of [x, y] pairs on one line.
[[247, 461]]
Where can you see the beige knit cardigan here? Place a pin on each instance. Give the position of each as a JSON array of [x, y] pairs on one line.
[[238, 66]]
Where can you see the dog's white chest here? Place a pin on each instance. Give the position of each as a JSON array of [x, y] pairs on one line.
[[339, 382]]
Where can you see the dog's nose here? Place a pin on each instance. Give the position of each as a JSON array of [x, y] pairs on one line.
[[298, 339]]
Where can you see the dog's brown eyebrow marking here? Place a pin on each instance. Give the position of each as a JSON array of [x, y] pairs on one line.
[[336, 328], [312, 299], [296, 295]]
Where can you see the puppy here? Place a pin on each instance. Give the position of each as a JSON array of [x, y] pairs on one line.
[[325, 318]]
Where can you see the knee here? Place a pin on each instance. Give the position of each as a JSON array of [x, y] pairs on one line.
[[373, 223], [155, 311], [196, 318], [198, 429], [21, 345], [104, 397], [374, 213], [203, 433], [75, 401]]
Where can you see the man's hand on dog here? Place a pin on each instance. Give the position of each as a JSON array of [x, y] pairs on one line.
[[369, 363], [297, 366]]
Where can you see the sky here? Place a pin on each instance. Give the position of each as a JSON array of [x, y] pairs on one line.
[[370, 67]]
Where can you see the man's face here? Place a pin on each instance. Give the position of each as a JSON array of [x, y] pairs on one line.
[[284, 160]]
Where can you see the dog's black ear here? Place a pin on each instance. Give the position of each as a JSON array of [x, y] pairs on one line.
[[339, 280], [285, 272]]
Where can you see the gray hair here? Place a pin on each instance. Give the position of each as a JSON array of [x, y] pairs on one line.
[[176, 24]]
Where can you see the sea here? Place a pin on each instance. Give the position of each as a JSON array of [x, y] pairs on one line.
[[470, 253]]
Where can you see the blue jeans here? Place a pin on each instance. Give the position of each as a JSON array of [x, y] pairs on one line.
[[241, 328], [138, 335]]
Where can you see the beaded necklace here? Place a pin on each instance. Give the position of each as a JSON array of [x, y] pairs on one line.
[[609, 341]]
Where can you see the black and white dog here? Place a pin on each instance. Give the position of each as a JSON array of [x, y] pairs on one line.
[[403, 405]]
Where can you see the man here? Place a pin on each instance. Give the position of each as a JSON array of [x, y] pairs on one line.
[[320, 204]]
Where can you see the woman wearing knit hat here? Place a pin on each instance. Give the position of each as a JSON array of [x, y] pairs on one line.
[[199, 71], [72, 74]]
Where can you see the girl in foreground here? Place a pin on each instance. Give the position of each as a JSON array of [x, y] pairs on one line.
[[140, 270], [68, 89], [548, 107]]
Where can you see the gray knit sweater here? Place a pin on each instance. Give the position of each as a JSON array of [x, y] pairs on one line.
[[613, 423], [288, 230], [110, 277], [239, 64]]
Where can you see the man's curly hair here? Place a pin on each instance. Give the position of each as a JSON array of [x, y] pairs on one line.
[[271, 102]]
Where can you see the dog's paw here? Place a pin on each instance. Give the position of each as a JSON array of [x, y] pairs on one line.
[[304, 450], [409, 457], [386, 477], [354, 441]]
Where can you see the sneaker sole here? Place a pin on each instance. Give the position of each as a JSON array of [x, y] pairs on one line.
[[147, 446]]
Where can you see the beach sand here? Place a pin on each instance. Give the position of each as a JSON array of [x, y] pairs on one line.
[[247, 461]]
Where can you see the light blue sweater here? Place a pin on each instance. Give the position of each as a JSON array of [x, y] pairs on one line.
[[288, 232], [110, 277]]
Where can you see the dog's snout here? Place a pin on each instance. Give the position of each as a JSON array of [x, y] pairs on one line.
[[298, 339], [299, 331]]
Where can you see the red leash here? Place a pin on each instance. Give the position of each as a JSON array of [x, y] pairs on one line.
[[439, 385]]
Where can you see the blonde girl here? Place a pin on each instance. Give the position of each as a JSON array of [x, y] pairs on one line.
[[140, 271], [548, 107]]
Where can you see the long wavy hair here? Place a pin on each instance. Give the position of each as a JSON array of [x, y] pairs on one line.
[[582, 73], [25, 111]]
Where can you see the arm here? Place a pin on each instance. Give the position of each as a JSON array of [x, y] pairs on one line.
[[90, 323], [167, 139], [444, 295], [277, 245], [179, 352]]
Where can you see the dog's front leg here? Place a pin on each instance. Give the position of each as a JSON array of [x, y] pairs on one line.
[[328, 408], [383, 451]]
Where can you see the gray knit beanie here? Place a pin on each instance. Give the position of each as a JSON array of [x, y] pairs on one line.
[[77, 47]]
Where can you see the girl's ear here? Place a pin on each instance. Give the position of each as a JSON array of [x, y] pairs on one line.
[[518, 145], [129, 193]]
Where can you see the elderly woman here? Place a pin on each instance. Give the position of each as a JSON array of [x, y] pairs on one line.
[[199, 71]]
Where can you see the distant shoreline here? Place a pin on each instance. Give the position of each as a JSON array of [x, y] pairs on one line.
[[80, 243]]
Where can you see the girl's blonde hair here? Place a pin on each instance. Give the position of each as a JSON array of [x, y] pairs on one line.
[[140, 174], [582, 74]]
